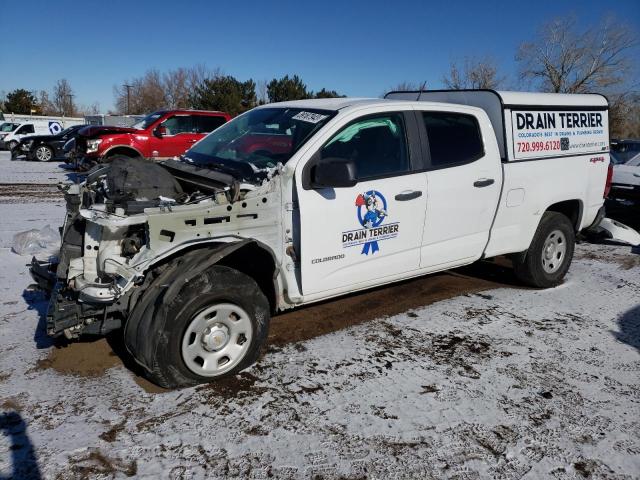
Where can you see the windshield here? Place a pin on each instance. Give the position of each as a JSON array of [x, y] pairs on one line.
[[625, 151], [8, 127], [615, 158], [635, 161], [146, 121], [69, 130], [252, 144]]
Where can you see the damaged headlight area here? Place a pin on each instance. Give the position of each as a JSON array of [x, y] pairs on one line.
[[105, 238], [88, 284], [93, 144]]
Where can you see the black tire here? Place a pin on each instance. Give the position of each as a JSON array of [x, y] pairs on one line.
[[536, 271], [117, 156], [42, 156], [214, 286]]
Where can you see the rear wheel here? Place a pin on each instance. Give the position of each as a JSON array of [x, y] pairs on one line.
[[214, 327], [549, 256], [43, 153]]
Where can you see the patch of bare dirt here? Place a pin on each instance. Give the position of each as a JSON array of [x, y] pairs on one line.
[[29, 191], [111, 434], [95, 464], [84, 359], [316, 320]]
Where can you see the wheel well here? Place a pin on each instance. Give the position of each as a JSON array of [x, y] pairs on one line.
[[251, 259], [126, 151], [258, 263], [572, 209]]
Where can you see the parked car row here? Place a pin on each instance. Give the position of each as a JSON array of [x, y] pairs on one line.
[[11, 133], [160, 135], [625, 157], [45, 147]]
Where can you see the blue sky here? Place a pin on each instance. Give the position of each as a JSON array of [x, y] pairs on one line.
[[359, 48]]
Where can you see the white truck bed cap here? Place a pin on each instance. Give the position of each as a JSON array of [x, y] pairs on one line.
[[504, 108]]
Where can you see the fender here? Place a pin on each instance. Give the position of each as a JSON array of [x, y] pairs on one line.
[[149, 311], [106, 152]]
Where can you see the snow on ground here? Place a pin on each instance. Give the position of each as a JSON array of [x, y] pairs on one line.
[[21, 171], [467, 382]]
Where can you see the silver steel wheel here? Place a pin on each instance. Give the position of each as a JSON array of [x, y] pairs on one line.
[[554, 251], [43, 153], [216, 339]]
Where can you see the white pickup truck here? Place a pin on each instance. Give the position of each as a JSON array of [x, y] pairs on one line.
[[297, 202]]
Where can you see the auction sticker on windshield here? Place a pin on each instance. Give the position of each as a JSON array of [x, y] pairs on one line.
[[309, 117], [552, 133]]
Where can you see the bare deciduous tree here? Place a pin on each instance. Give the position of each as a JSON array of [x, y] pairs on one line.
[[624, 115], [474, 73], [45, 105], [63, 98], [564, 59], [153, 91], [146, 94], [176, 88], [406, 86]]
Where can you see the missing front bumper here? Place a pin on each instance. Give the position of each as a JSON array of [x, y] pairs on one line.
[[43, 273], [65, 314]]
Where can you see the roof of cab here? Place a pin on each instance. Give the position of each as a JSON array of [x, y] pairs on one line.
[[328, 103], [508, 98]]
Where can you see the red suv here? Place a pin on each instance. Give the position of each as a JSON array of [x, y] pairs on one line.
[[160, 135]]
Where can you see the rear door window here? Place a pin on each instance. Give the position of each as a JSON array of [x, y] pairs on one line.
[[206, 124], [454, 138]]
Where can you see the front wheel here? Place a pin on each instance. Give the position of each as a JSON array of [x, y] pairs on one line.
[[215, 327], [549, 256], [12, 147], [43, 153]]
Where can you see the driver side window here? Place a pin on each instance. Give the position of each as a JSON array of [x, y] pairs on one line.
[[25, 129], [179, 124], [376, 144]]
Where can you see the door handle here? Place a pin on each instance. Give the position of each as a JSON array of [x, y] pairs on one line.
[[193, 140], [483, 182], [404, 196]]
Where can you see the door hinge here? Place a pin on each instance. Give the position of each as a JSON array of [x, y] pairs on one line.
[[291, 206]]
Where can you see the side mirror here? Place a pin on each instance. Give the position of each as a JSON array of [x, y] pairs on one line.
[[159, 131], [334, 173]]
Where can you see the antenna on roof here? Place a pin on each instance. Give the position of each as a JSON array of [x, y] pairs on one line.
[[424, 84]]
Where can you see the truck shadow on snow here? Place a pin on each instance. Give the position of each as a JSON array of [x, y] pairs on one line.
[[38, 301], [23, 457], [629, 326]]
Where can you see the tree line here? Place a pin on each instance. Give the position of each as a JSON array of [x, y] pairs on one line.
[[199, 88], [562, 58], [58, 102]]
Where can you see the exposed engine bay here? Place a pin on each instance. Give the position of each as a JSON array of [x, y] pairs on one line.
[[136, 184], [130, 214]]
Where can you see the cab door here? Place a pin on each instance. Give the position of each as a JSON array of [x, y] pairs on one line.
[[177, 133], [465, 178], [368, 234]]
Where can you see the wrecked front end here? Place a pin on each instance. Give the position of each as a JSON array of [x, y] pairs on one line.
[[129, 216]]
